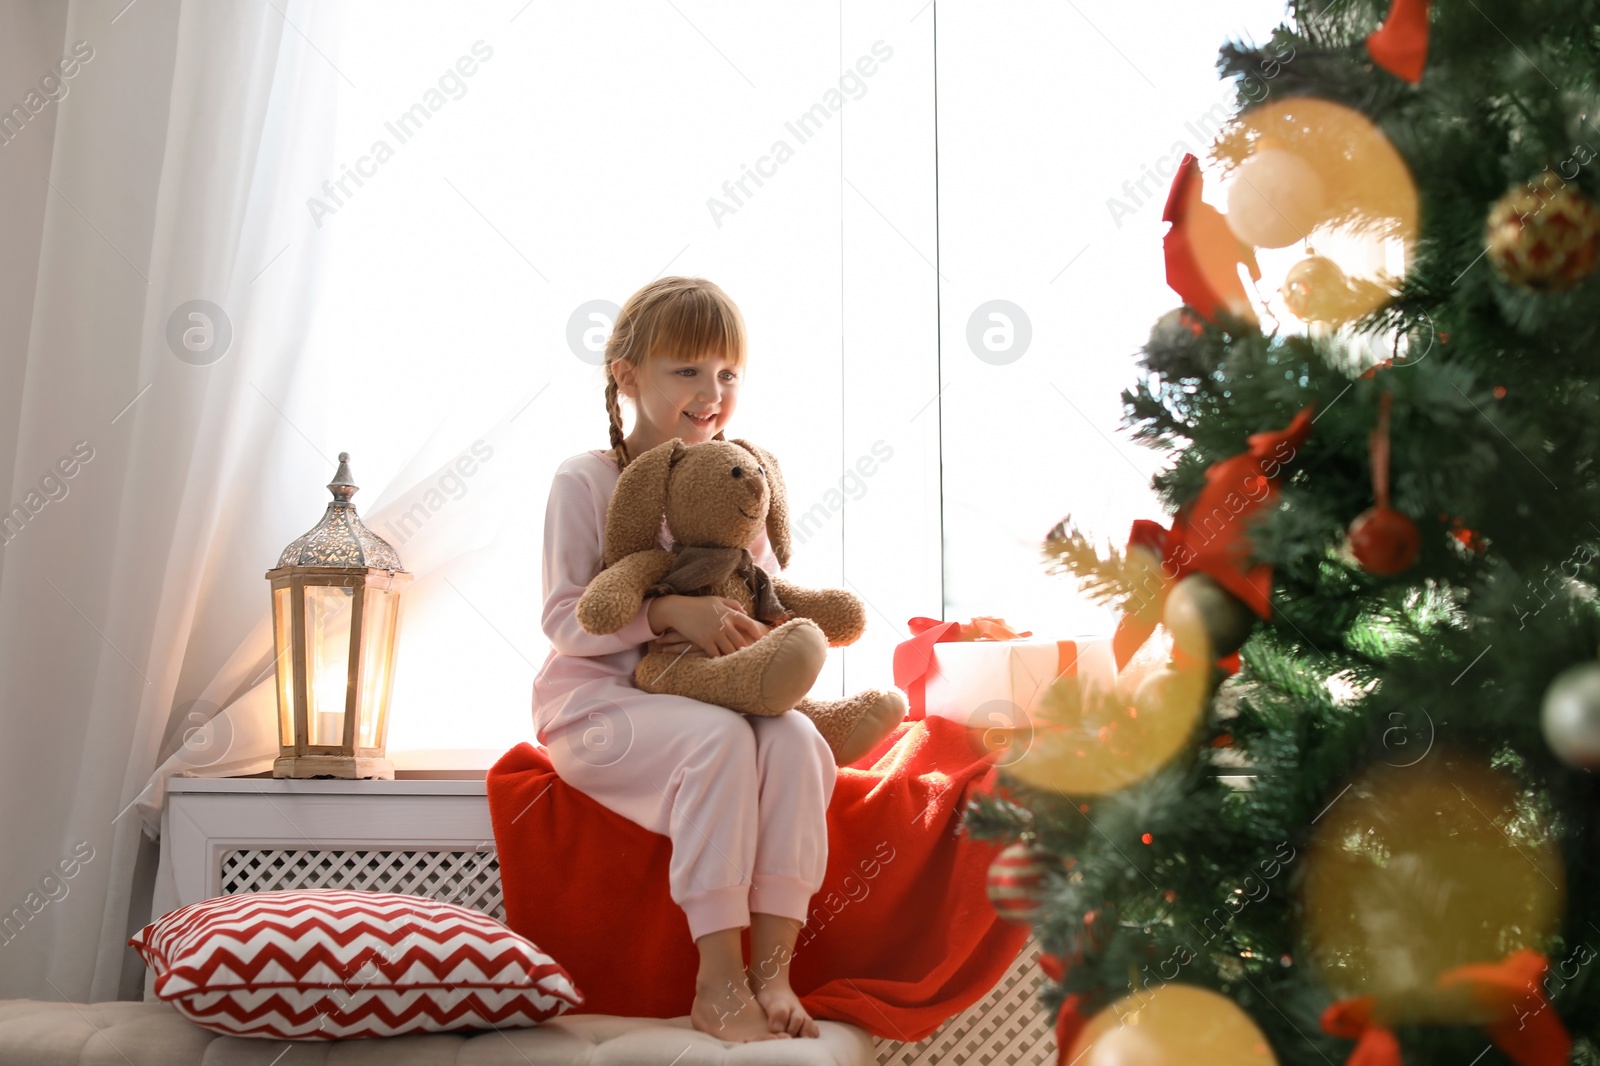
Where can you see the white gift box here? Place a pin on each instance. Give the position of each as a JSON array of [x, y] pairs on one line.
[[997, 684]]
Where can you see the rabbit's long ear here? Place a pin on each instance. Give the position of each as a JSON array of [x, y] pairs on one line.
[[639, 503], [778, 504]]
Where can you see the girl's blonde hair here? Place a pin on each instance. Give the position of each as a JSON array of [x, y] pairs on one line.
[[675, 318]]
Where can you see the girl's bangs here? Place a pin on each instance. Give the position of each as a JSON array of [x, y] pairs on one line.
[[694, 327]]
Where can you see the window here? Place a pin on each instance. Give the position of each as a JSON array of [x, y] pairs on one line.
[[936, 350]]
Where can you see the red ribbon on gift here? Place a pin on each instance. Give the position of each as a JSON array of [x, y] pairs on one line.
[[1529, 1038], [1235, 488], [1400, 45], [914, 658], [1202, 253]]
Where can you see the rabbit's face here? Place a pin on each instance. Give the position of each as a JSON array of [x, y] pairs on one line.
[[717, 496]]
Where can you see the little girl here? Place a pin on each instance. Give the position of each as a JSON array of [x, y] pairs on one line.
[[743, 798]]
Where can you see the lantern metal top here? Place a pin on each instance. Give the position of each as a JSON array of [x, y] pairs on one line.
[[341, 538]]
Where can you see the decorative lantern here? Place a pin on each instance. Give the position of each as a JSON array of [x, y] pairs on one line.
[[335, 607]]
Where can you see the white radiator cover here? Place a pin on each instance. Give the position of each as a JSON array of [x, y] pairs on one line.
[[431, 837]]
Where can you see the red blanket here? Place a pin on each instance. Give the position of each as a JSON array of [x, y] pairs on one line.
[[901, 938]]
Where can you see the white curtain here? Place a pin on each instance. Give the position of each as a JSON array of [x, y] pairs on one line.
[[154, 477], [135, 637]]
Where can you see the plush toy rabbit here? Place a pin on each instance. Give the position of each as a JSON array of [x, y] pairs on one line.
[[715, 497]]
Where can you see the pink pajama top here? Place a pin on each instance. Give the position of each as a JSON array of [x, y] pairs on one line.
[[582, 666]]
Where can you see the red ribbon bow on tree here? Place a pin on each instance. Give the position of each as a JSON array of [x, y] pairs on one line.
[[1202, 254], [1209, 536], [1490, 991], [1069, 1025], [1400, 45]]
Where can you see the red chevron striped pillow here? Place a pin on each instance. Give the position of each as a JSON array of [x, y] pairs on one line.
[[330, 964]]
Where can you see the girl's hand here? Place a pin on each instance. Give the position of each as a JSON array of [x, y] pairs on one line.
[[675, 643], [714, 625]]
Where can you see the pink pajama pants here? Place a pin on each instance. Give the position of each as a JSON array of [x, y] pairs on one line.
[[743, 798]]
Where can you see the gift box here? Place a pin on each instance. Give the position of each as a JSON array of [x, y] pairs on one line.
[[986, 675]]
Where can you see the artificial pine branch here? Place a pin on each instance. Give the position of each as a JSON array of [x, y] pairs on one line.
[[1109, 579]]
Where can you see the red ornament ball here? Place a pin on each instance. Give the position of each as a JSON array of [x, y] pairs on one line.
[[1016, 881], [1384, 541]]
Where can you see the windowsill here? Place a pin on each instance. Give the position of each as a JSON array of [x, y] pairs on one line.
[[399, 775], [444, 762], [404, 784], [415, 764]]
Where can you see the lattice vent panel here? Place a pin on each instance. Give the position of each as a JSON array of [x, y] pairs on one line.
[[468, 878], [1008, 1027]]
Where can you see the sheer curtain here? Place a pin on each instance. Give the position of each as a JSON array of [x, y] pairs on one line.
[[156, 454], [509, 187]]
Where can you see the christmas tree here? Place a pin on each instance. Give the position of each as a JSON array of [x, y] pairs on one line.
[[1351, 813]]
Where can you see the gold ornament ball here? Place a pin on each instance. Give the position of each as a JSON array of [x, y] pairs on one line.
[[1543, 234], [1171, 1024], [1127, 1045], [1316, 290], [1173, 694], [1414, 870], [1107, 742], [1206, 620]]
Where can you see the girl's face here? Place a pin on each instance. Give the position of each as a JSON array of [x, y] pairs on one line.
[[693, 401]]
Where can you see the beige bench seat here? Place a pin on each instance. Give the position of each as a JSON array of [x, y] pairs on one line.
[[151, 1033]]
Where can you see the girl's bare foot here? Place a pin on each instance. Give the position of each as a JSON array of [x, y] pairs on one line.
[[784, 1012], [730, 1012]]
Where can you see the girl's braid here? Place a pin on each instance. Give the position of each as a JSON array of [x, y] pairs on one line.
[[618, 447]]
